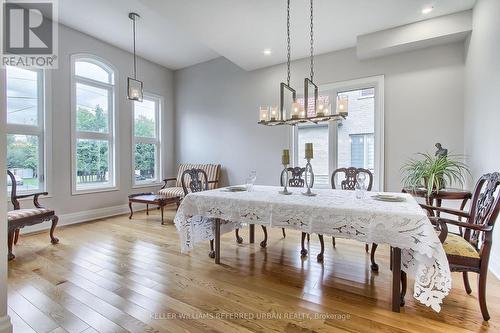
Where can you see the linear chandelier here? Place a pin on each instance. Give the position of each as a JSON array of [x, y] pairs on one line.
[[300, 114]]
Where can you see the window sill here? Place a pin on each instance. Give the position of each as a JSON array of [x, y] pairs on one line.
[[143, 185], [94, 190]]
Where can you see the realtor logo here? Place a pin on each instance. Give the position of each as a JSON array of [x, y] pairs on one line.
[[29, 34]]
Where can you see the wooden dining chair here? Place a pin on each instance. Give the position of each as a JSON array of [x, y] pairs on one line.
[[349, 183], [470, 252], [295, 180], [196, 180]]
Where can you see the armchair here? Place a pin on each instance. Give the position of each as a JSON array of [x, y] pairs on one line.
[[20, 218], [170, 189], [470, 252]]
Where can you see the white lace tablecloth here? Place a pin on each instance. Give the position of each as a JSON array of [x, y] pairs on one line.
[[333, 213]]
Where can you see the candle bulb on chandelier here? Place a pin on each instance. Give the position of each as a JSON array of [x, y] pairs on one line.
[[295, 110], [274, 113], [302, 112], [264, 113], [320, 112]]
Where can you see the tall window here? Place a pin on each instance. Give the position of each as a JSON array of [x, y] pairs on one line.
[[25, 128], [146, 137], [354, 142], [93, 126]]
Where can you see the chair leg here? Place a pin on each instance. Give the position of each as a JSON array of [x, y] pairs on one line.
[[303, 251], [16, 236], [283, 231], [466, 283], [482, 295], [403, 288], [10, 241], [211, 254], [53, 239], [322, 243], [390, 258], [263, 244], [367, 248], [239, 239], [374, 265], [308, 238], [333, 241]]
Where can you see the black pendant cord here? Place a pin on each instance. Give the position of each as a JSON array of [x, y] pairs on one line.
[[312, 44], [288, 42], [135, 65]]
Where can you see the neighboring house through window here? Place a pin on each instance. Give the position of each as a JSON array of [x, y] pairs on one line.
[[356, 141]]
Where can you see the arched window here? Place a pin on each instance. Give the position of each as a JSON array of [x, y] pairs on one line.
[[93, 124]]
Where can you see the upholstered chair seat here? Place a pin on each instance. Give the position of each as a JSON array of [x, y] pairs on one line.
[[172, 192], [456, 245], [18, 214]]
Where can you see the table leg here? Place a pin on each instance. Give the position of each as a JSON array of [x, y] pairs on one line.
[[161, 209], [147, 209], [131, 211], [438, 204], [396, 279], [252, 233], [217, 241]]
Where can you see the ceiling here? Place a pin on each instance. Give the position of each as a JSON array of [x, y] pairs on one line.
[[181, 33]]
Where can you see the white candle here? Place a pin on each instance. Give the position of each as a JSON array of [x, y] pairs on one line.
[[274, 113], [264, 113], [295, 110]]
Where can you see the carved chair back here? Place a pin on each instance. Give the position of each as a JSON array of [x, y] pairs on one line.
[[484, 211], [296, 179], [194, 180], [349, 181], [13, 191]]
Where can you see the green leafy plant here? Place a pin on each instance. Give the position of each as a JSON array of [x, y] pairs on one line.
[[434, 172]]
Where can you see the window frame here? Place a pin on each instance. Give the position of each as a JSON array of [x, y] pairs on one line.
[[157, 141], [335, 88], [43, 130], [365, 137], [112, 134]]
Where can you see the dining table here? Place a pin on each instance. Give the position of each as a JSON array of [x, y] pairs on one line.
[[400, 223]]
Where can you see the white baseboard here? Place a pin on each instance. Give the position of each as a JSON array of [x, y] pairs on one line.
[[495, 265], [5, 325], [84, 216]]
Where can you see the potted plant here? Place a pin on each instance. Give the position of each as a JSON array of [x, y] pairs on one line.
[[434, 172]]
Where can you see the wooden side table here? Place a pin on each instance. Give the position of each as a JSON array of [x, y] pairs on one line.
[[443, 194], [151, 199]]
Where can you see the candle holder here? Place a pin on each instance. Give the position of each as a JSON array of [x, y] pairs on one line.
[[284, 180], [309, 179]]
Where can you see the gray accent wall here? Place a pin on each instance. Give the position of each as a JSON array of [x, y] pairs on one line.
[[157, 80], [217, 108], [482, 99]]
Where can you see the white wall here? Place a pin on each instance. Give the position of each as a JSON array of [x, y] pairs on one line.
[[217, 108], [157, 80], [5, 325], [482, 99]]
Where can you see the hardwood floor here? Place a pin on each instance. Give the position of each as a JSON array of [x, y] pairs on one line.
[[119, 275]]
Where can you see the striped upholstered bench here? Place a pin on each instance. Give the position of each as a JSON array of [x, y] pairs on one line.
[[212, 170]]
